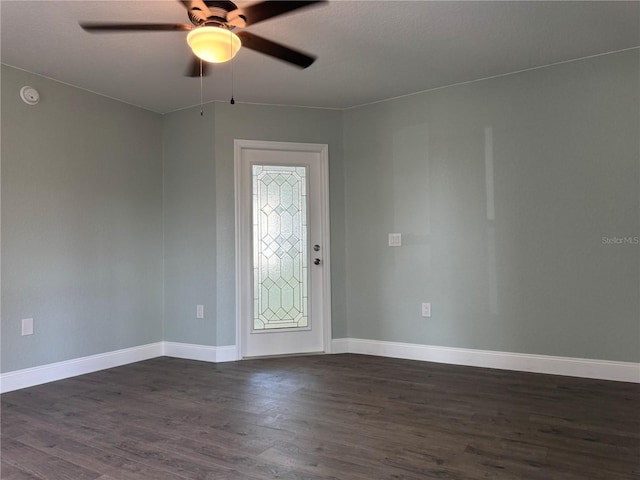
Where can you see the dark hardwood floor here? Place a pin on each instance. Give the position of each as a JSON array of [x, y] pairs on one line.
[[320, 417]]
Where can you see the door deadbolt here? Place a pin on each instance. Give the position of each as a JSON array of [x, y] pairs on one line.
[[316, 248]]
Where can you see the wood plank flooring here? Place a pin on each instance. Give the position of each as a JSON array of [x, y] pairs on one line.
[[320, 417]]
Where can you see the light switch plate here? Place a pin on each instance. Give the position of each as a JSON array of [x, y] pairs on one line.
[[27, 326], [199, 311], [426, 310], [395, 239]]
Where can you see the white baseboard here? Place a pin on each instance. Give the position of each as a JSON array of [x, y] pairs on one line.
[[572, 367], [30, 377], [226, 353], [341, 345]]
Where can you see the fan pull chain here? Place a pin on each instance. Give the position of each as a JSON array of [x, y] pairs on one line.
[[201, 98], [233, 102]]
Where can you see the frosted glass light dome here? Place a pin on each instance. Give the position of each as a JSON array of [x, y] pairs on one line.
[[214, 44]]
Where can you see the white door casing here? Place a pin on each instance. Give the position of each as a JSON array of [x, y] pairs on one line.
[[312, 160]]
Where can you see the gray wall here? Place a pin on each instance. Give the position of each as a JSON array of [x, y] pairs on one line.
[[190, 227], [81, 223], [503, 190], [199, 210]]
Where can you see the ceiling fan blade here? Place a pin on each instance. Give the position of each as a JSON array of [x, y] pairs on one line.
[[194, 67], [276, 50], [264, 10], [134, 27]]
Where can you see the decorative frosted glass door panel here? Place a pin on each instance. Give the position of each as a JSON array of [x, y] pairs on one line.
[[282, 248]]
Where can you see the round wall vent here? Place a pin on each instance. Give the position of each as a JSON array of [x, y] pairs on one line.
[[29, 95]]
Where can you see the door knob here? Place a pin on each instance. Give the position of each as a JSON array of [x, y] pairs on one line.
[[317, 261]]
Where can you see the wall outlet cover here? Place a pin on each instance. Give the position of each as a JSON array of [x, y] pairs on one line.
[[27, 326], [395, 239]]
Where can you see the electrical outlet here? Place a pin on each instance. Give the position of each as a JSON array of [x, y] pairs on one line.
[[426, 310], [395, 239], [27, 326], [199, 311]]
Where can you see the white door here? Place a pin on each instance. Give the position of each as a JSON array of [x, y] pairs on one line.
[[282, 248]]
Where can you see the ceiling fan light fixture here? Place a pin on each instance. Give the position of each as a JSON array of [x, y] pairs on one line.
[[214, 44]]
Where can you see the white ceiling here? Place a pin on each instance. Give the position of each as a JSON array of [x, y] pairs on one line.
[[368, 50]]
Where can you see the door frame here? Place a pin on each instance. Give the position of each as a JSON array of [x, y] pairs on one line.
[[242, 232]]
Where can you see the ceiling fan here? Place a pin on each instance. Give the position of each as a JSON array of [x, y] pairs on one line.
[[211, 32]]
